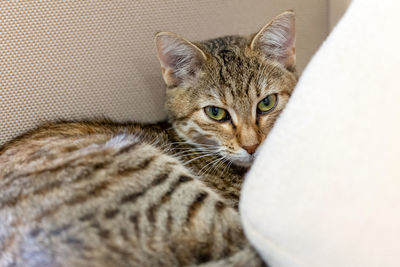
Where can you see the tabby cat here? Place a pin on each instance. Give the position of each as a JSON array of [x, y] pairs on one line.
[[109, 194]]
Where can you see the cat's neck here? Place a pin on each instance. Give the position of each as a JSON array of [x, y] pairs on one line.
[[215, 171]]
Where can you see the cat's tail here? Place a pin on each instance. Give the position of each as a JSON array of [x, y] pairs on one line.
[[247, 257]]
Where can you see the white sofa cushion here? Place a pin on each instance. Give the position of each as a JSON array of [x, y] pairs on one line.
[[325, 189]]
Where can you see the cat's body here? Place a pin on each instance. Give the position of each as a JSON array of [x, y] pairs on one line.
[[113, 197], [107, 194]]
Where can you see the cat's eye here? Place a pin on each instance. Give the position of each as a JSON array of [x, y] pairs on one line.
[[216, 113], [267, 104]]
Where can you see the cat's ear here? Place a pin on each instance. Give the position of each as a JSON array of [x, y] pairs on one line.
[[276, 40], [180, 59]]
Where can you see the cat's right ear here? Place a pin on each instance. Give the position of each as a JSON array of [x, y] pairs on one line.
[[180, 59], [276, 40]]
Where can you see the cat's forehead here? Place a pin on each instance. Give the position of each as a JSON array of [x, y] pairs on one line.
[[240, 79], [232, 70], [234, 79], [239, 84]]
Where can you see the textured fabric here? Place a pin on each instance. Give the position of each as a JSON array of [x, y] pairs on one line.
[[87, 59], [324, 190], [336, 11]]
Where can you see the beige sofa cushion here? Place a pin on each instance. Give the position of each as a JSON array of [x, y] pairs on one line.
[[87, 59]]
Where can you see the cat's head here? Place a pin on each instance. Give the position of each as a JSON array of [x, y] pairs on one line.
[[225, 94]]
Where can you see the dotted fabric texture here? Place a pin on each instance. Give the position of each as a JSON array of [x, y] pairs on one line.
[[76, 60]]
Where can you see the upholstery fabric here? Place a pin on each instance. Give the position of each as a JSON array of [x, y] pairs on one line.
[[324, 190], [89, 59], [336, 11]]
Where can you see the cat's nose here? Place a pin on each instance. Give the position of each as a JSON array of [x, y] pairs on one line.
[[251, 149]]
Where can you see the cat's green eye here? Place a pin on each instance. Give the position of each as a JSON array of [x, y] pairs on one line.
[[267, 104], [216, 113]]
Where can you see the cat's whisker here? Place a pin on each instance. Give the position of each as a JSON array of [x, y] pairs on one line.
[[226, 168], [196, 150], [220, 163], [185, 156], [206, 155], [212, 170], [183, 151], [210, 164], [197, 145], [213, 165], [190, 143], [193, 152]]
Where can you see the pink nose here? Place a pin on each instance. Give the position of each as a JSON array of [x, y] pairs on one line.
[[251, 149]]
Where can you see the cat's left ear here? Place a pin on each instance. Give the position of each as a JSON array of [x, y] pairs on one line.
[[276, 40], [180, 59]]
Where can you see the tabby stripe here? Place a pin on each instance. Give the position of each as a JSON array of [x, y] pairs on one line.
[[124, 233], [166, 197], [135, 221], [101, 153], [86, 217], [141, 166], [104, 233], [203, 125], [196, 205], [35, 232], [95, 224], [57, 168], [150, 213], [251, 77], [220, 206], [168, 225], [211, 237], [126, 236], [110, 214], [13, 201], [160, 178], [228, 236], [94, 192], [51, 186], [132, 197], [128, 148], [221, 77], [203, 253], [59, 230], [123, 253], [185, 117], [174, 186], [73, 241]]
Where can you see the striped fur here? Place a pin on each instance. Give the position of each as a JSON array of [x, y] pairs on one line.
[[108, 194], [108, 200]]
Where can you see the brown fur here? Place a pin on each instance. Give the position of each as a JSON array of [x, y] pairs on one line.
[[109, 194]]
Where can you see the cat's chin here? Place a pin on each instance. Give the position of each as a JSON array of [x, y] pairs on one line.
[[244, 164]]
